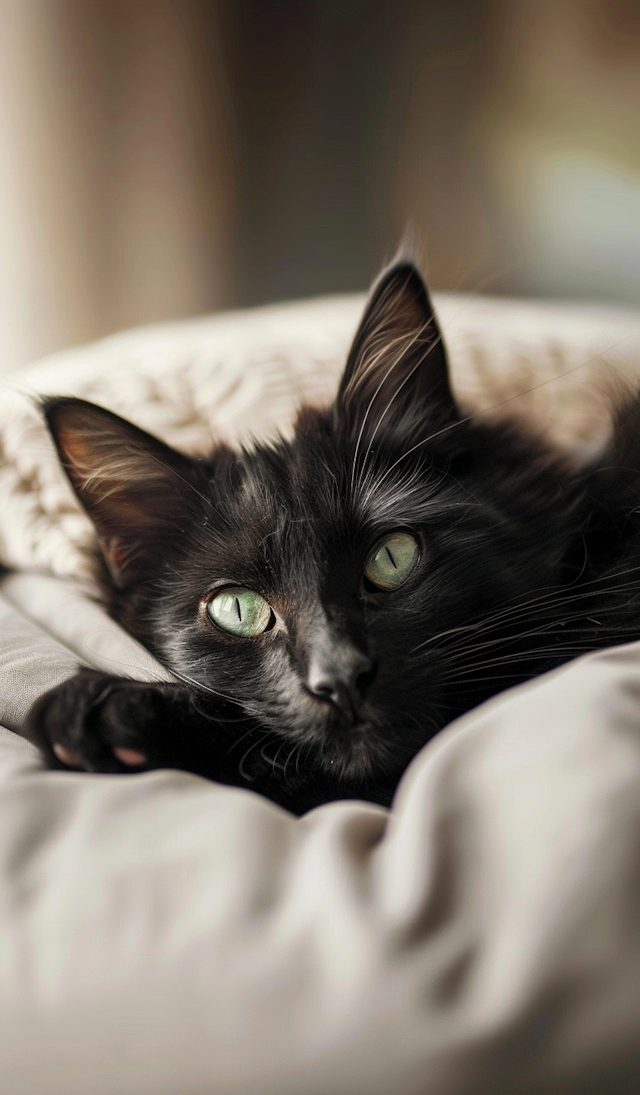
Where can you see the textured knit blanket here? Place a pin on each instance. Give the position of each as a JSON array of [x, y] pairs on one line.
[[242, 375]]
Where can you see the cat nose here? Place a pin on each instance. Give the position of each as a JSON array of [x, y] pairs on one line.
[[342, 679]]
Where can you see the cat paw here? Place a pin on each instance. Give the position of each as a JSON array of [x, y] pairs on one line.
[[97, 723]]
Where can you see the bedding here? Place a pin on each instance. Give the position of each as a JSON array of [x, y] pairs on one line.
[[159, 933], [162, 934]]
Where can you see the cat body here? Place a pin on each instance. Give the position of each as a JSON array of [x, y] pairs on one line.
[[328, 603]]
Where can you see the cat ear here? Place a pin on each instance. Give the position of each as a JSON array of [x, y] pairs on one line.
[[397, 376], [134, 488]]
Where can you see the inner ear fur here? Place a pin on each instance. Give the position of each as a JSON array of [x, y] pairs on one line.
[[397, 375], [135, 489]]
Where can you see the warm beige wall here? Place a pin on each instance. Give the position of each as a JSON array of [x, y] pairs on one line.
[[560, 135], [116, 199], [520, 149], [164, 157]]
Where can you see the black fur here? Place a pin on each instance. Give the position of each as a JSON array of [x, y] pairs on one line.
[[525, 561]]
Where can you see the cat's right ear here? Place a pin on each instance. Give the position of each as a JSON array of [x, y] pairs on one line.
[[135, 489], [397, 376]]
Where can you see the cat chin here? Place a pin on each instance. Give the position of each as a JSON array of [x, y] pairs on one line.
[[357, 753]]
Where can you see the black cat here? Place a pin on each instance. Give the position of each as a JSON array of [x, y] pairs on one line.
[[327, 604]]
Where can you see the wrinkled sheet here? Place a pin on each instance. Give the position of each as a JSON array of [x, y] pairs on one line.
[[162, 934]]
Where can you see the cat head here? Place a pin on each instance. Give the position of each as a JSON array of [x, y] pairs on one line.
[[327, 584]]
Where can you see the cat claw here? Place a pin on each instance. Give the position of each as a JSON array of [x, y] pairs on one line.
[[131, 757], [66, 756]]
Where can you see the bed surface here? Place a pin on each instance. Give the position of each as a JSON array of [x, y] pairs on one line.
[[159, 933]]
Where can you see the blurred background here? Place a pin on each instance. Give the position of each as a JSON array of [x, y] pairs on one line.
[[161, 158]]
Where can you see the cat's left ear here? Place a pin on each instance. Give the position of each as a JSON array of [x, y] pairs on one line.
[[397, 376]]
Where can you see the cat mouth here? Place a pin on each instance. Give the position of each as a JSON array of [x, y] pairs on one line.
[[356, 751]]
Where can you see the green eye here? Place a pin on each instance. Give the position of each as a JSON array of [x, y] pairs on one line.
[[392, 560], [240, 612]]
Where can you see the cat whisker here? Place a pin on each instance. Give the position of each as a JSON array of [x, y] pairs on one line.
[[241, 766], [295, 749], [540, 653], [187, 679], [568, 650], [298, 757], [274, 760], [552, 622], [502, 403], [512, 613], [218, 718], [238, 741]]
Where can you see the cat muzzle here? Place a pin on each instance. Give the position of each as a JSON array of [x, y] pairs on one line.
[[342, 680]]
